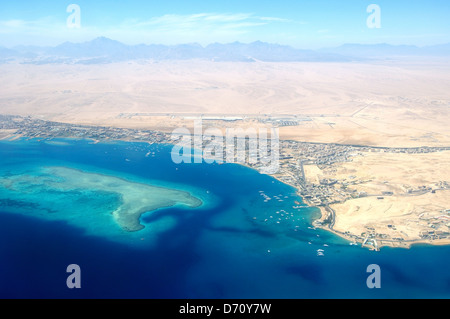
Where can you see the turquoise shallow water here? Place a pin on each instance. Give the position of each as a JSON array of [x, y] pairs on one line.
[[238, 244]]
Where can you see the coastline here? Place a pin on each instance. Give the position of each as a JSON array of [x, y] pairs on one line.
[[328, 218], [326, 221], [372, 243]]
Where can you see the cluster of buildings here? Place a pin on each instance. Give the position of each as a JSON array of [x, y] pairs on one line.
[[438, 226], [293, 155], [322, 155], [296, 154], [35, 128]]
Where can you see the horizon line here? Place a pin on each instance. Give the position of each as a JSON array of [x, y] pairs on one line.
[[226, 43]]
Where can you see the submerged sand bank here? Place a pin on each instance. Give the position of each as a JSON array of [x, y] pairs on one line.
[[135, 198]]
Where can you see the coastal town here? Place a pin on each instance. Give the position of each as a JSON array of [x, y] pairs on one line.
[[294, 157]]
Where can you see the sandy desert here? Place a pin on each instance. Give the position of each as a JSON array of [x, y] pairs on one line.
[[395, 103]]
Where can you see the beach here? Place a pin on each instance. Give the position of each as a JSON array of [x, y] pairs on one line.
[[391, 132]]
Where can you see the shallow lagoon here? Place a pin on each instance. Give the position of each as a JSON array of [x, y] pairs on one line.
[[57, 203]]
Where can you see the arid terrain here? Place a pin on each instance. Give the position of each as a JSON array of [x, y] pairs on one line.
[[398, 195], [383, 103], [380, 104]]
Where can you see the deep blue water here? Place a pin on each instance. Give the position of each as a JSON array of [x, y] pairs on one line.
[[228, 248]]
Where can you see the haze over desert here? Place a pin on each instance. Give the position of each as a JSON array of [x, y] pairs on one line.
[[379, 104], [398, 103]]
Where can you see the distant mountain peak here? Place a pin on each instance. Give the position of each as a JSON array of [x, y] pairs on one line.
[[106, 50], [104, 40]]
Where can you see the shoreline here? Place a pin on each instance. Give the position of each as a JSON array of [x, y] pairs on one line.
[[325, 222], [372, 243], [327, 219]]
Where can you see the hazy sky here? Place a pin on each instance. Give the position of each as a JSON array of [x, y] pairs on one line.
[[302, 24]]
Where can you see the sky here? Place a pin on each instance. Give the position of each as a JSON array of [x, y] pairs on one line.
[[311, 24]]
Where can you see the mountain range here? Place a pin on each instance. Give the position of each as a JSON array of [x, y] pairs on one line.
[[104, 50]]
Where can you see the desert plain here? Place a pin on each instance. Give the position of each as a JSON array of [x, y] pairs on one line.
[[396, 103]]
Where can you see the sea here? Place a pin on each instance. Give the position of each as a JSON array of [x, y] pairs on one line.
[[251, 237]]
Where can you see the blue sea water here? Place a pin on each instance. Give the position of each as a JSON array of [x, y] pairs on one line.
[[237, 244]]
